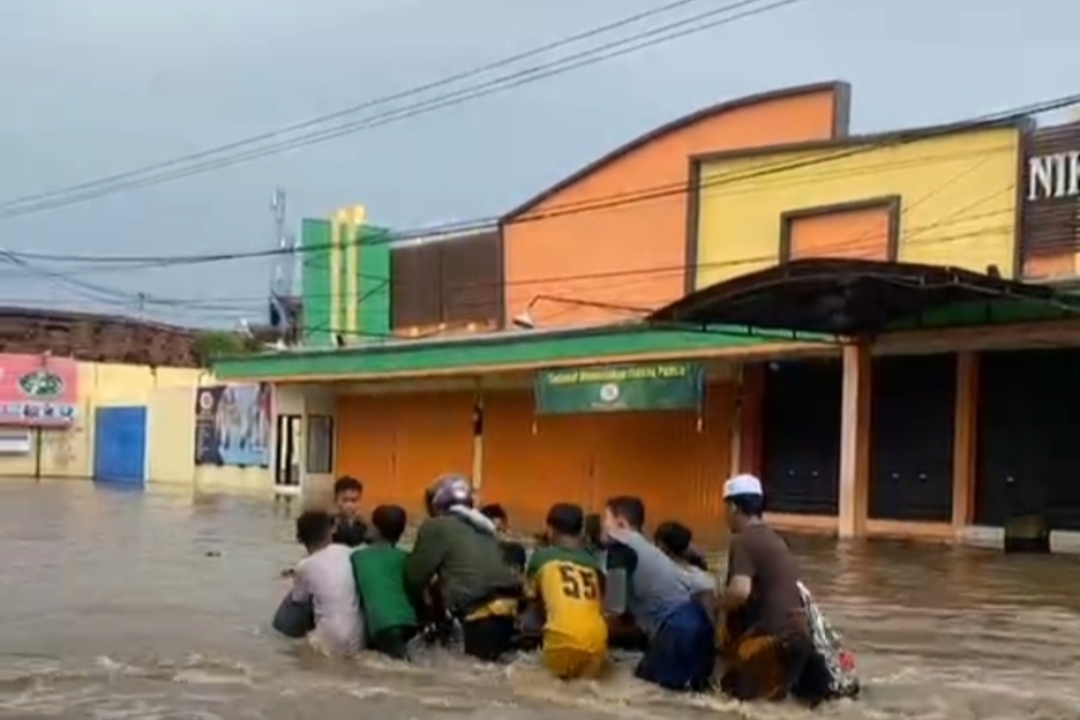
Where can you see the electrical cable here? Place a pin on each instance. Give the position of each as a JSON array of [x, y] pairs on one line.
[[992, 118], [93, 189]]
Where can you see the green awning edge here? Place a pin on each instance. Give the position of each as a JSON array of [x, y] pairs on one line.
[[492, 350]]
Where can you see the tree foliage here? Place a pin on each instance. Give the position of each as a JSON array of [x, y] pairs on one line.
[[213, 344]]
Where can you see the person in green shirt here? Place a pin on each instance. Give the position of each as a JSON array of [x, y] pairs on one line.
[[379, 572]]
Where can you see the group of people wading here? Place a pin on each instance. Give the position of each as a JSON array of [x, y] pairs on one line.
[[591, 583]]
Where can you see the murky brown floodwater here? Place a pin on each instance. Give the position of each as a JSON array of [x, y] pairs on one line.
[[125, 606]]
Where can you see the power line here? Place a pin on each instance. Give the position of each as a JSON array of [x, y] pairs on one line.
[[557, 67], [588, 204], [622, 278], [359, 107], [987, 120]]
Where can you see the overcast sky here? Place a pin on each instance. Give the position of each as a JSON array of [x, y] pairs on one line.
[[89, 88]]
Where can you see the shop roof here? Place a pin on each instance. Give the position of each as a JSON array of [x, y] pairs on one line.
[[850, 297], [508, 351], [841, 91]]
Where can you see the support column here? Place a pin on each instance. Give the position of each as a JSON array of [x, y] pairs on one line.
[[738, 412], [753, 391], [855, 441], [478, 446], [965, 441]]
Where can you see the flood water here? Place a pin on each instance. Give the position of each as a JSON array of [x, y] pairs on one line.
[[131, 606]]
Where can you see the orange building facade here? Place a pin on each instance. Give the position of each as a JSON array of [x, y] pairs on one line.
[[856, 429]]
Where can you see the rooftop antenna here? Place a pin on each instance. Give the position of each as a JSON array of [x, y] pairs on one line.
[[282, 284]]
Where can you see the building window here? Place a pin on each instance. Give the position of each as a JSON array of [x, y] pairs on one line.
[[320, 444]]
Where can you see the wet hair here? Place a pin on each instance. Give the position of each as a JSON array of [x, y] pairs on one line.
[[593, 527], [347, 483], [693, 558], [314, 527], [351, 533], [390, 521], [628, 508], [749, 505], [566, 519], [495, 511], [673, 537]]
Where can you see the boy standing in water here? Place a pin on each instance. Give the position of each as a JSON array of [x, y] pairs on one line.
[[324, 578], [351, 530], [379, 572], [565, 581]]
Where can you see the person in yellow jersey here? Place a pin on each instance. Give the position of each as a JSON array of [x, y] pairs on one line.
[[565, 585]]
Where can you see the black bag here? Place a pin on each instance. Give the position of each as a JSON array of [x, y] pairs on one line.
[[294, 619]]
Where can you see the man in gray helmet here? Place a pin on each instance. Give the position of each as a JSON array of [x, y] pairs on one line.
[[458, 548]]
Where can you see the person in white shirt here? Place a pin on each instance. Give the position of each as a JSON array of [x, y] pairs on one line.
[[325, 579]]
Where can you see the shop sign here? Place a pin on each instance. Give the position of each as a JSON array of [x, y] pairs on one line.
[[1051, 186], [612, 388], [38, 390], [1054, 176]]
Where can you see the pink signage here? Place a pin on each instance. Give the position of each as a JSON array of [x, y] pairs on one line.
[[38, 390]]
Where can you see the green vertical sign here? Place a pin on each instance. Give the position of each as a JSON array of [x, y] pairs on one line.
[[611, 388]]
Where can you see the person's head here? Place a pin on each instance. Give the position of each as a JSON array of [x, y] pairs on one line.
[[744, 501], [565, 523], [389, 522], [496, 514], [449, 491], [623, 513], [314, 529], [348, 491], [594, 530], [673, 538]]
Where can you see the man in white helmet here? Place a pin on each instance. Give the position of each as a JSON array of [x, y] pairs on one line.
[[459, 549]]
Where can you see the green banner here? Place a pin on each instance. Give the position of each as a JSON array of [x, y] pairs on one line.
[[608, 388]]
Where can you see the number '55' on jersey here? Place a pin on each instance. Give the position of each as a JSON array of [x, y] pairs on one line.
[[570, 585]]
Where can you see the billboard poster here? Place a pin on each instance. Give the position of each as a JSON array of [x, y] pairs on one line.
[[232, 425], [38, 391]]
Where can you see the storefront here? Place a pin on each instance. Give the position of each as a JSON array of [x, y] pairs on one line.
[[539, 418]]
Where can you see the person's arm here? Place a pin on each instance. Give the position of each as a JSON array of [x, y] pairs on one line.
[[533, 615], [740, 577], [426, 558]]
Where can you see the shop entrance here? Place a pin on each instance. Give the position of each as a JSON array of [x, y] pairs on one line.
[[800, 463], [1028, 448], [913, 416]]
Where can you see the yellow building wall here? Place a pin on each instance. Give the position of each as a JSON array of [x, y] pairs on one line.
[[958, 199], [169, 397]]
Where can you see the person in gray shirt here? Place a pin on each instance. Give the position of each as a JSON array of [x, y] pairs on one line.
[[681, 647], [325, 579]]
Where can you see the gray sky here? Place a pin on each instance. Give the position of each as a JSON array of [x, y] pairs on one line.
[[93, 87]]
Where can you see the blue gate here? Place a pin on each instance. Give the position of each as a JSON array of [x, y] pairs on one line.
[[120, 445]]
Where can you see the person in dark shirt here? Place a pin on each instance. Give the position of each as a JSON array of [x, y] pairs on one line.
[[514, 553], [765, 640], [349, 529]]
